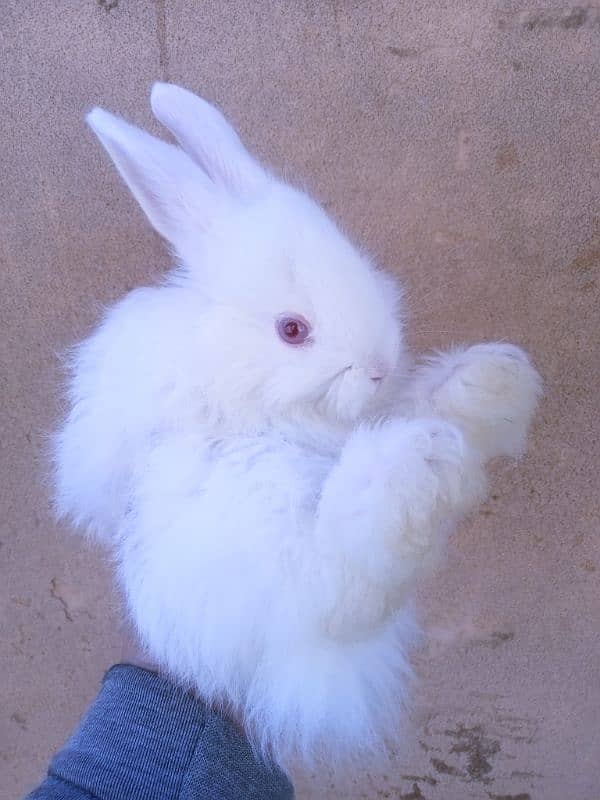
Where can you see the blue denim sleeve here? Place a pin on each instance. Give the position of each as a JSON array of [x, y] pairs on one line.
[[143, 738]]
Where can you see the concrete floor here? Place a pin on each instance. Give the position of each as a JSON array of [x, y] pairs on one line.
[[460, 141]]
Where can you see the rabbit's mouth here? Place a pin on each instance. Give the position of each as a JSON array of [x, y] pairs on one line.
[[349, 392]]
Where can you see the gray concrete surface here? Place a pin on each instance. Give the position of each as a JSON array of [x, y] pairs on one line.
[[460, 141]]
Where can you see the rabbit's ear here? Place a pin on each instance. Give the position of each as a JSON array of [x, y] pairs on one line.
[[172, 190], [205, 134]]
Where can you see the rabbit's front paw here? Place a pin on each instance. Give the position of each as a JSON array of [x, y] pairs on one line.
[[490, 391], [434, 477]]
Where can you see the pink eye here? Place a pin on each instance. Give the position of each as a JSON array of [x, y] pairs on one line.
[[293, 330]]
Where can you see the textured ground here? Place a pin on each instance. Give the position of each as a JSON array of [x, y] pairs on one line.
[[460, 142]]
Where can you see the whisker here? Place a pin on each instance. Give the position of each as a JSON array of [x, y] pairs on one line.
[[418, 299]]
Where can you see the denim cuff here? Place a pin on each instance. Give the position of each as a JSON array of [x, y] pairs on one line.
[[143, 738]]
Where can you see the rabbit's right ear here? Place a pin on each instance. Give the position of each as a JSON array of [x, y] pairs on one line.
[[172, 190], [205, 134]]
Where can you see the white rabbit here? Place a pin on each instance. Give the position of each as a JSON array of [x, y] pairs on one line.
[[251, 442]]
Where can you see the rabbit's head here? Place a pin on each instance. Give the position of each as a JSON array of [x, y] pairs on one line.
[[290, 314]]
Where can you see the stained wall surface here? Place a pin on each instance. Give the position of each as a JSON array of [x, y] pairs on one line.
[[460, 142]]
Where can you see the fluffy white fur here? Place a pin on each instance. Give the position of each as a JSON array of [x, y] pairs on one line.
[[271, 506]]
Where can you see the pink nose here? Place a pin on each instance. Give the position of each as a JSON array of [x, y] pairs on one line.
[[376, 373]]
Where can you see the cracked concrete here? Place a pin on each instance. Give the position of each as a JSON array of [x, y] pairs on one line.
[[459, 142], [55, 594]]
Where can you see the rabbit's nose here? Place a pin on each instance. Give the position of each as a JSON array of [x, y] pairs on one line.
[[376, 372]]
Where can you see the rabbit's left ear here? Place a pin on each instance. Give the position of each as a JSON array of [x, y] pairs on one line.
[[208, 138], [175, 194]]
